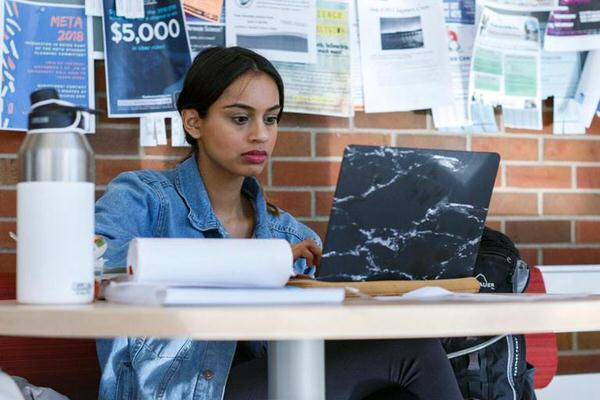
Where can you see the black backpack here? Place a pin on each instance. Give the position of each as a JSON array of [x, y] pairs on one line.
[[494, 368]]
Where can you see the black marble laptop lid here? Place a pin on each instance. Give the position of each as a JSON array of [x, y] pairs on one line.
[[401, 213]]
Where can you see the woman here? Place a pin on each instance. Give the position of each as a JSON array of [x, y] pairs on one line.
[[231, 102]]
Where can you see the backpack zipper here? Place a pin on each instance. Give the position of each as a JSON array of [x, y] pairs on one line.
[[509, 365]]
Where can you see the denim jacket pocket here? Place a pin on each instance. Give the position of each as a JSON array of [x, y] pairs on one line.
[[167, 348], [161, 367]]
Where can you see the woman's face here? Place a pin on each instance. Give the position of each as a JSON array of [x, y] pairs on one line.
[[239, 132]]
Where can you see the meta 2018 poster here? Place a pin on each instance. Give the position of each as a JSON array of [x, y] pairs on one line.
[[146, 58], [45, 45]]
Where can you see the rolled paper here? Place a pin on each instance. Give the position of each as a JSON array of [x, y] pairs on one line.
[[261, 263]]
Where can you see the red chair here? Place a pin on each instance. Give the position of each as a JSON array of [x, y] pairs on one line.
[[68, 366], [542, 349]]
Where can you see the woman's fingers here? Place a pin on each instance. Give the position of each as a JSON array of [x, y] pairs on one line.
[[309, 250]]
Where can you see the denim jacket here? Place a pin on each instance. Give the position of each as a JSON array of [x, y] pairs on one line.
[[173, 203]]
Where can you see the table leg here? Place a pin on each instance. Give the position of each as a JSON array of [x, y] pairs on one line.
[[296, 370]]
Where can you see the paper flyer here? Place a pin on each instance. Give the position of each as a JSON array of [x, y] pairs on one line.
[[506, 67], [280, 30], [146, 58], [355, 69], [404, 55], [44, 45], [522, 5], [574, 26], [204, 33], [460, 20], [587, 95], [323, 88]]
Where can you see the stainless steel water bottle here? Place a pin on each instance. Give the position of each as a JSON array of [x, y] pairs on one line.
[[55, 205]]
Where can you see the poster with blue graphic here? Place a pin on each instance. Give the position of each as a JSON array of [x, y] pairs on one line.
[[146, 58], [45, 45]]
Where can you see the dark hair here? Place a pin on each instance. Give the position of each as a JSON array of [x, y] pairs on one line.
[[212, 71]]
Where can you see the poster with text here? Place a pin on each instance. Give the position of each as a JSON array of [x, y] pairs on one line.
[[44, 45], [146, 58], [324, 88]]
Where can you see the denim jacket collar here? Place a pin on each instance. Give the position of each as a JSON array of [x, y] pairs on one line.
[[190, 185]]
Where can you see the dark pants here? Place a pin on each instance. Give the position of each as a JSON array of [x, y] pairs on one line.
[[365, 370]]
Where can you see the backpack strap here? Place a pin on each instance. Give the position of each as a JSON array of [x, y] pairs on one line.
[[470, 350]]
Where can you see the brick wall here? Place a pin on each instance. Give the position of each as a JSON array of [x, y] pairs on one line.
[[547, 194]]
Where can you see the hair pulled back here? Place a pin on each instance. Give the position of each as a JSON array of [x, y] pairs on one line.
[[211, 73]]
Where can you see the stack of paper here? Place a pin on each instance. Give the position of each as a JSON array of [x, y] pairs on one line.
[[155, 294], [212, 271]]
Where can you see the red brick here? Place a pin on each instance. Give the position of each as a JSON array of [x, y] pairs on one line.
[[496, 225], [577, 364], [103, 118], [539, 231], [100, 76], [292, 144], [397, 120], [98, 193], [513, 204], [509, 148], [263, 178], [121, 140], [6, 241], [8, 263], [307, 173], [498, 179], [106, 170], [168, 150], [564, 341], [571, 204], [588, 340], [571, 150], [296, 203], [323, 201], [594, 128], [11, 141], [333, 144], [320, 227], [441, 141], [534, 176], [547, 126], [588, 177], [9, 171], [8, 286], [587, 231], [567, 256], [529, 255], [293, 120], [8, 203]]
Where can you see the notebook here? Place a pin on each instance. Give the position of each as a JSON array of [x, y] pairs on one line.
[[407, 213]]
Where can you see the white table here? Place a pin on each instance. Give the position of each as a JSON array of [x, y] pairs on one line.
[[297, 333]]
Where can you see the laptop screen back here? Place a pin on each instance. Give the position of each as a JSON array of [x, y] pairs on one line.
[[402, 213]]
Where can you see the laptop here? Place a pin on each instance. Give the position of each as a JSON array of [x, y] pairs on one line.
[[406, 213]]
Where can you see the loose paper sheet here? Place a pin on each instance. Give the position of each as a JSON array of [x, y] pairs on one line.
[[506, 67], [404, 55], [281, 30], [323, 88]]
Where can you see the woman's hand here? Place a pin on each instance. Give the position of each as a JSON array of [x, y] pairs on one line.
[[308, 250]]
